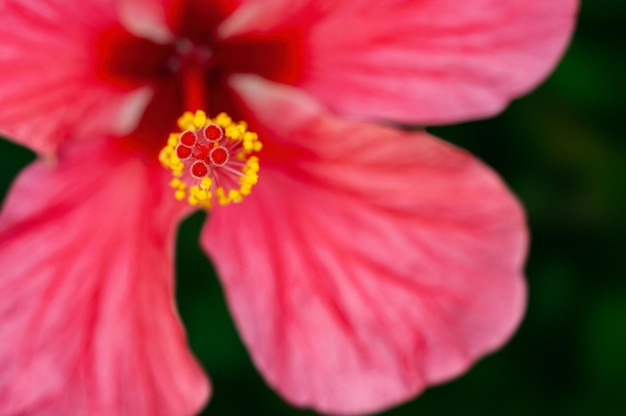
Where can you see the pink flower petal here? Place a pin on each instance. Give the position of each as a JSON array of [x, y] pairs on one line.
[[49, 86], [427, 61], [87, 319], [191, 19], [147, 18], [368, 262]]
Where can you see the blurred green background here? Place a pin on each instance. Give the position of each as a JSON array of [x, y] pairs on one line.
[[561, 149]]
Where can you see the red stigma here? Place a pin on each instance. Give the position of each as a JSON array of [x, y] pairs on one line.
[[188, 138], [219, 156], [183, 152], [213, 132], [199, 169]]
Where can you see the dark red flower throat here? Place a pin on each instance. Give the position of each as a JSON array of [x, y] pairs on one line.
[[190, 71]]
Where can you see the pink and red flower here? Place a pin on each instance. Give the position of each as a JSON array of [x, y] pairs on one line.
[[366, 264]]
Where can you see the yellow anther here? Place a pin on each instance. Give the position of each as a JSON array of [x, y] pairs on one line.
[[242, 126], [185, 122], [206, 183], [172, 141], [193, 200], [202, 195], [245, 189], [249, 180], [233, 132], [180, 194], [250, 169], [235, 196], [199, 119], [221, 196], [163, 157], [223, 120]]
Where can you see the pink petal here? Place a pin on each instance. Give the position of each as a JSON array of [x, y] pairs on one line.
[[49, 86], [192, 19], [147, 18], [368, 262], [87, 316], [427, 61]]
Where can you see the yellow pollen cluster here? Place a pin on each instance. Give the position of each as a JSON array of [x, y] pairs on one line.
[[168, 158], [226, 180]]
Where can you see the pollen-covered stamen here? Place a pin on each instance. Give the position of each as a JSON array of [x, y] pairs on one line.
[[211, 159]]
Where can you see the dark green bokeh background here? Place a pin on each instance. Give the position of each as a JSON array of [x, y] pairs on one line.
[[561, 149]]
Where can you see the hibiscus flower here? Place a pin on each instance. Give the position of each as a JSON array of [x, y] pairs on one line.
[[365, 264]]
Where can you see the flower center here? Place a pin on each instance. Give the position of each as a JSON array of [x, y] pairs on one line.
[[186, 53], [211, 159]]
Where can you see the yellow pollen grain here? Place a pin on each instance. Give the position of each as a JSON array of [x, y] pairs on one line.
[[222, 199], [245, 189], [233, 132], [223, 120], [202, 195], [185, 122], [206, 183], [180, 194], [235, 196], [172, 141], [199, 119]]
